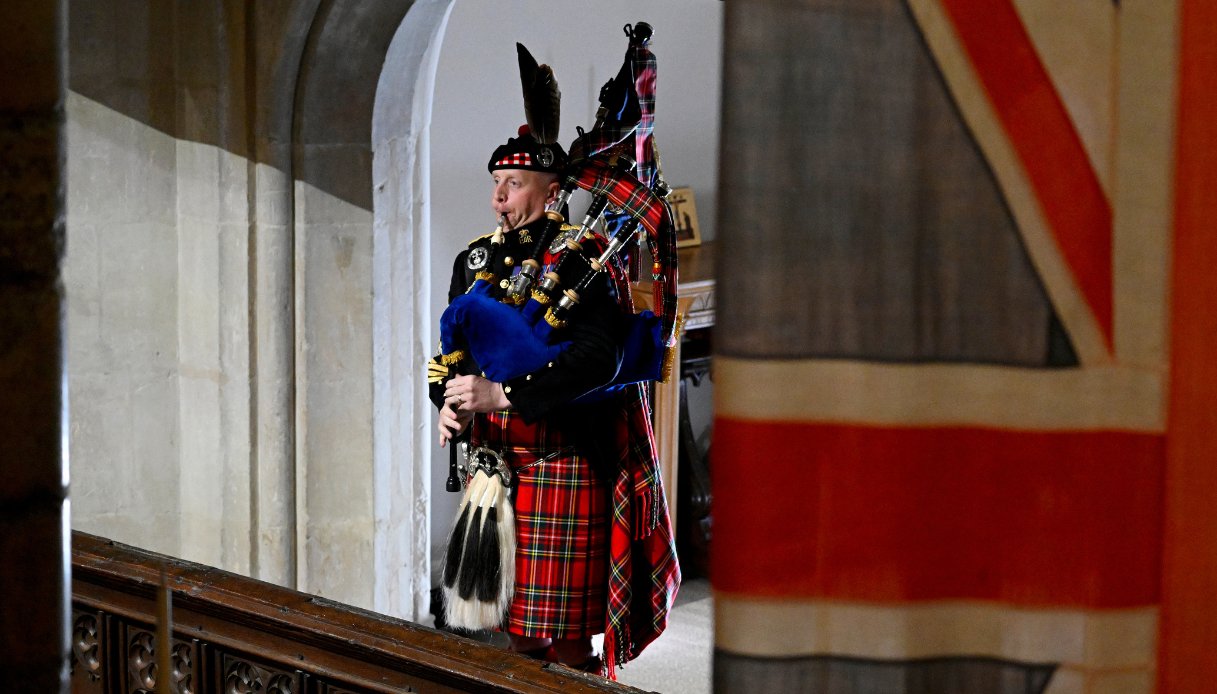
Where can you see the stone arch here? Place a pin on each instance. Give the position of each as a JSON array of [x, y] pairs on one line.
[[402, 331], [358, 268]]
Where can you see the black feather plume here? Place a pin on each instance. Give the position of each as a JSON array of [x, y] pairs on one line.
[[542, 99], [488, 559], [467, 582], [456, 547]]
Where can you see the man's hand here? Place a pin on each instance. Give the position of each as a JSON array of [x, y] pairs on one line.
[[468, 394], [452, 423]]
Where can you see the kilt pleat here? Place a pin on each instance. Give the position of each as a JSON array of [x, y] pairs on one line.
[[562, 511]]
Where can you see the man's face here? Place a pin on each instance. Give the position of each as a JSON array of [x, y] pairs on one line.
[[521, 195]]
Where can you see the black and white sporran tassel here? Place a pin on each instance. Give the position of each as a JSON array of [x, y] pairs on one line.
[[479, 569]]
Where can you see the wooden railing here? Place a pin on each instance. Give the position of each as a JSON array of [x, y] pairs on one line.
[[237, 635]]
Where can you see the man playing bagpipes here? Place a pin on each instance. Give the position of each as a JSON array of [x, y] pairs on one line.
[[563, 530]]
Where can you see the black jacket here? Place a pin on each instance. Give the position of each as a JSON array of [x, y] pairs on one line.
[[595, 331]]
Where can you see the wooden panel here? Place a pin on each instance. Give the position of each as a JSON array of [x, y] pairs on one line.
[[236, 634], [86, 659], [242, 675]]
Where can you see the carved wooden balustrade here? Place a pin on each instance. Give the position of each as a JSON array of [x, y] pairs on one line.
[[237, 635]]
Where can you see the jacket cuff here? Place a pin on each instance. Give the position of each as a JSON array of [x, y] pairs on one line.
[[527, 395]]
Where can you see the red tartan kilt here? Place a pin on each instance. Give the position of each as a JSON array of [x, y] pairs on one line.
[[562, 525]]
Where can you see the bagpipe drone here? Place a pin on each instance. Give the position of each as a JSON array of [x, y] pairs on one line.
[[519, 333]]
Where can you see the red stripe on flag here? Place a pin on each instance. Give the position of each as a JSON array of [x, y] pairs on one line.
[[1047, 143], [1188, 636], [884, 514]]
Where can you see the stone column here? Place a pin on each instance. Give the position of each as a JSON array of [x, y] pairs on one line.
[[401, 287], [33, 486]]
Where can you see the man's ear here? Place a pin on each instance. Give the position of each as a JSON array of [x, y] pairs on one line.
[[552, 192]]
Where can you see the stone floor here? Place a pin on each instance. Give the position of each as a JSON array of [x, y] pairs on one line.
[[679, 661]]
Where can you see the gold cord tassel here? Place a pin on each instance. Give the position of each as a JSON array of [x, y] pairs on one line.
[[669, 352]]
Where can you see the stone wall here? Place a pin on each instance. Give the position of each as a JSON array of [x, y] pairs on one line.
[[219, 283], [157, 274]]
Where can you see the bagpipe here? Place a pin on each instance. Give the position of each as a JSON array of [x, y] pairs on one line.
[[508, 336]]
